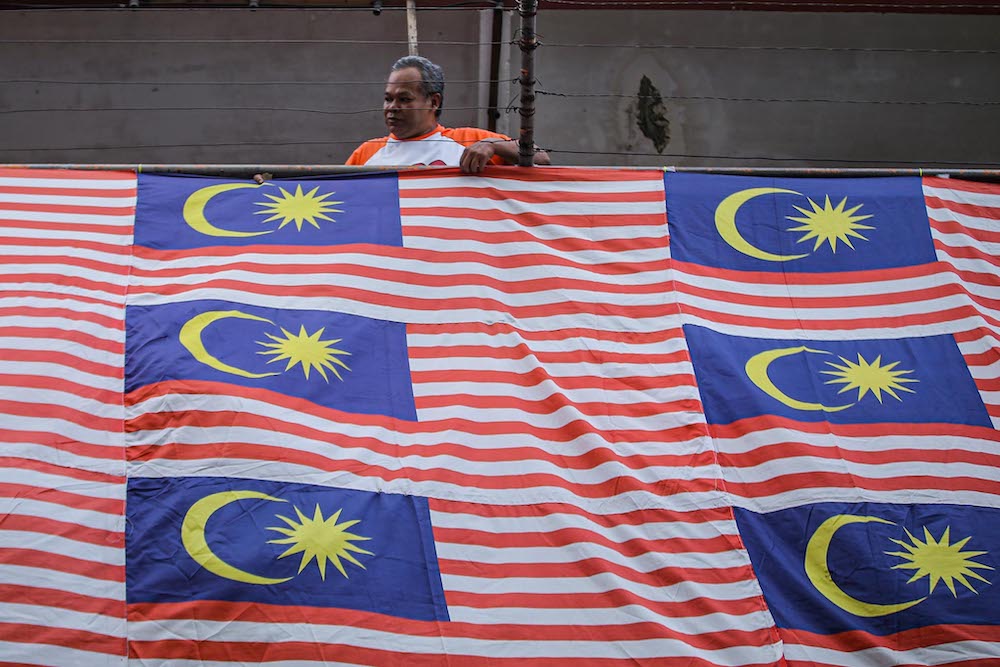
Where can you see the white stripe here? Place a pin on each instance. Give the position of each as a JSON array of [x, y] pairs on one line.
[[120, 258], [620, 345], [55, 288], [63, 372], [791, 465], [40, 577], [55, 617], [839, 494], [621, 533], [412, 290], [42, 303], [11, 217], [72, 431], [456, 647], [47, 510], [941, 654], [984, 343], [334, 428], [517, 207], [611, 369], [208, 266], [63, 271], [548, 389], [51, 397], [44, 480], [65, 200], [49, 655], [794, 313], [624, 615], [831, 292], [548, 232], [599, 584], [517, 248], [839, 334], [645, 563], [599, 473], [55, 544], [971, 265], [938, 442], [126, 181], [561, 418], [11, 345], [989, 200], [58, 456], [611, 323], [510, 185], [963, 241], [286, 472]]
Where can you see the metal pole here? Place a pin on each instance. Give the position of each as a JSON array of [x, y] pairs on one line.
[[528, 43], [411, 26]]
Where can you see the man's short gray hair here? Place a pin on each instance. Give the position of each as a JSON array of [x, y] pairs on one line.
[[431, 76]]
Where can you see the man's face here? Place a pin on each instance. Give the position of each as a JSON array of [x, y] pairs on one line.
[[408, 112]]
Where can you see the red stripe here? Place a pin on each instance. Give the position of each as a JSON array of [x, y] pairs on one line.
[[955, 227], [48, 597], [41, 191], [68, 335], [535, 376], [69, 531], [567, 537], [555, 402], [633, 518], [960, 185], [513, 285], [789, 449], [522, 351], [252, 612], [966, 253], [68, 360], [18, 463], [68, 244], [907, 640], [68, 227], [67, 261], [546, 175], [68, 174], [256, 652], [60, 412], [528, 196], [431, 304], [71, 209], [513, 480], [593, 567], [567, 433], [61, 563], [783, 278], [60, 442], [80, 640], [58, 281], [571, 334], [822, 479], [766, 422], [566, 244], [75, 500], [28, 310]]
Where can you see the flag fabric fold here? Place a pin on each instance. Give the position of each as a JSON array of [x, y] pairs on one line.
[[540, 416]]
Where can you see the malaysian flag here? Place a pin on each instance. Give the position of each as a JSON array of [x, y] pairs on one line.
[[843, 335], [431, 419]]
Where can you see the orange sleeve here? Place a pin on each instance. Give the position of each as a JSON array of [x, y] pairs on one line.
[[470, 135], [365, 151]]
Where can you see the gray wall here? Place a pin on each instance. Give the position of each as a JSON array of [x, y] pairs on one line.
[[268, 86]]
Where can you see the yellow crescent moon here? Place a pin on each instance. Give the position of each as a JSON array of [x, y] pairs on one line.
[[194, 210], [190, 338], [819, 572], [193, 536], [725, 223], [756, 369]]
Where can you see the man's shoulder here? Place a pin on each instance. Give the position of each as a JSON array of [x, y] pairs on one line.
[[470, 135], [366, 150]]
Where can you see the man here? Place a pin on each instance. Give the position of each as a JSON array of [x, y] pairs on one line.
[[413, 97]]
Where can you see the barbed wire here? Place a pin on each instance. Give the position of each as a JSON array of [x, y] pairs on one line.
[[814, 100]]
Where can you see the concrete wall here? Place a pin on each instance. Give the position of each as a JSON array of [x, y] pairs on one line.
[[267, 86]]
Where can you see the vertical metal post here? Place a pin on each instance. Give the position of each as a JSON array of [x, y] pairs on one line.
[[528, 43], [411, 26]]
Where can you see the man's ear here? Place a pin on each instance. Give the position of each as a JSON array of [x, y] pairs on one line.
[[436, 100]]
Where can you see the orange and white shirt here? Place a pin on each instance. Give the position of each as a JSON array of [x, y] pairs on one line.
[[441, 146]]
